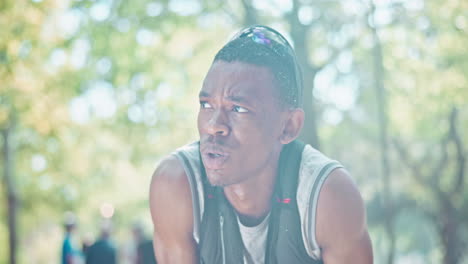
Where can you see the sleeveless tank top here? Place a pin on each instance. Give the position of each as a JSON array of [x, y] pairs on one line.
[[314, 169]]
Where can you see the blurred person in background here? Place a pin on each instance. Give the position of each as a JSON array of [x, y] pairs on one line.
[[86, 242], [103, 251], [144, 246], [70, 254]]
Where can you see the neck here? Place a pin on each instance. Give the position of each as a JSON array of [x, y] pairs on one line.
[[252, 198]]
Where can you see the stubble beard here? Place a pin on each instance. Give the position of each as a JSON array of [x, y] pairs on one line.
[[218, 181], [222, 180]]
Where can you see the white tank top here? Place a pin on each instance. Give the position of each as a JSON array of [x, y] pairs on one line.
[[254, 239], [312, 174]]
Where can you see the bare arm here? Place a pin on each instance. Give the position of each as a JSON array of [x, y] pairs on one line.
[[341, 222], [171, 212]]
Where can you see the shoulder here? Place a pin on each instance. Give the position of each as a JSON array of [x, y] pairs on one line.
[[170, 195], [111, 245], [91, 248], [340, 210], [169, 168], [169, 180], [172, 212], [341, 217], [169, 176]]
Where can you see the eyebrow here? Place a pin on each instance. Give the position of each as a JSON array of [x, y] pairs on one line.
[[238, 99], [203, 94], [233, 98]]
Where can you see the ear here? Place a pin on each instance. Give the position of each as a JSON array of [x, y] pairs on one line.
[[292, 126]]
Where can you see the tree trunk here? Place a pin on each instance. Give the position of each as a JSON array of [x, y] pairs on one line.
[[379, 75], [449, 229], [250, 14], [299, 35], [309, 132], [10, 191], [449, 215], [449, 222], [449, 241]]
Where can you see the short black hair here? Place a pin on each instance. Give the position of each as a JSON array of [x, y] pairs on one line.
[[276, 57]]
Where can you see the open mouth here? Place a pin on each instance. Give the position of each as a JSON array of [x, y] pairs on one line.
[[214, 160]]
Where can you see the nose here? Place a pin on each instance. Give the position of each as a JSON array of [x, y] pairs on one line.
[[217, 124]]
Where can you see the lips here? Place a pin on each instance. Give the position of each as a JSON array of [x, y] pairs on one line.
[[214, 158]]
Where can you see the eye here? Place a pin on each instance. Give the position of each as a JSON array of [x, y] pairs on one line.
[[239, 109], [205, 105]]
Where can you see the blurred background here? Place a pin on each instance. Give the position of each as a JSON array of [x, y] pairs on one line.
[[94, 92]]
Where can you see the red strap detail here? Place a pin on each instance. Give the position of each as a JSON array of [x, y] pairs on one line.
[[285, 200]]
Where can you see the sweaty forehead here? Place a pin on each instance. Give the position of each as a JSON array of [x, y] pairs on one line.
[[231, 79]]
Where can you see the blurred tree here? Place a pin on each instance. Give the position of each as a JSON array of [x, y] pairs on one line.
[[15, 95], [382, 117], [420, 77], [447, 193], [11, 192]]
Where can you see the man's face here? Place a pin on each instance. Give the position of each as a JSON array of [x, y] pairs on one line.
[[240, 122]]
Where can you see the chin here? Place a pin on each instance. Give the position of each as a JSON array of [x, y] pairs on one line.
[[216, 179], [218, 184]]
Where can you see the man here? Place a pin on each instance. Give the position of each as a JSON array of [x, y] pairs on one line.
[[69, 253], [145, 252], [248, 191], [103, 250]]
